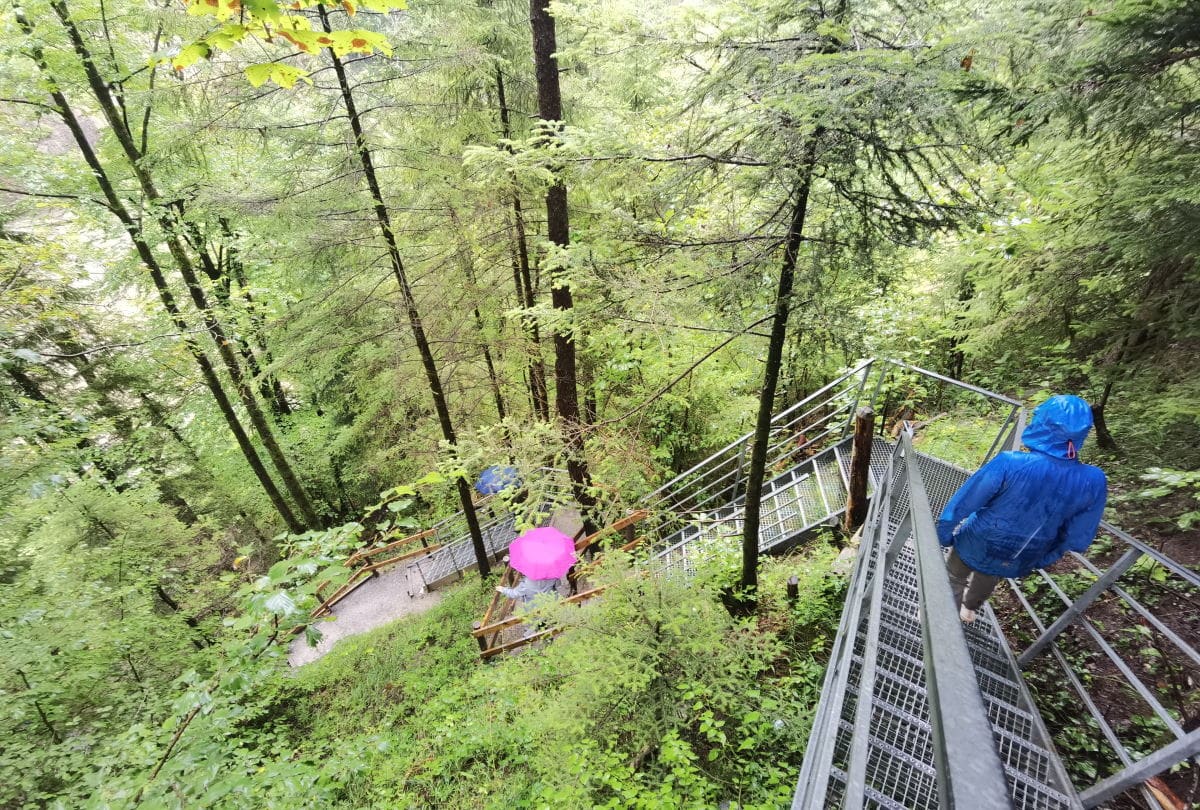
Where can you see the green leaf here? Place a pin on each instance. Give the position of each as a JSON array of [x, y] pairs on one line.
[[263, 10], [281, 604], [257, 75], [191, 55]]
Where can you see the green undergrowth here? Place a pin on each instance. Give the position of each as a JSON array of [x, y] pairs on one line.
[[652, 697]]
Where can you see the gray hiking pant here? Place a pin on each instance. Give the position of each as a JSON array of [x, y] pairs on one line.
[[978, 587]]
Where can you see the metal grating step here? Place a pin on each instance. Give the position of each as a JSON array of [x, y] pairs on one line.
[[874, 799], [898, 782]]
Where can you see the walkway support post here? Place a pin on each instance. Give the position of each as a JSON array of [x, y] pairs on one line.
[[860, 468]]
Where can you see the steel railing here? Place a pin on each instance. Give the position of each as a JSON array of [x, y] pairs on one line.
[[1104, 639], [969, 770]]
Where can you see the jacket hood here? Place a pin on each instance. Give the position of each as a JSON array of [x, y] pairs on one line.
[[1059, 426]]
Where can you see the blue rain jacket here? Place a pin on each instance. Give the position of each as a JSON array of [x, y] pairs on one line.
[[1023, 511]]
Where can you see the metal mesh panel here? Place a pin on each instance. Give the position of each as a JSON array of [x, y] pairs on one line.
[[907, 783], [1009, 718], [460, 554], [1035, 796], [1021, 757], [873, 799]]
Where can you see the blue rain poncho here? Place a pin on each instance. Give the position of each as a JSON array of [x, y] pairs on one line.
[[1023, 511]]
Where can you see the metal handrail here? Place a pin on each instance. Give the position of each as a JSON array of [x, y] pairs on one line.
[[1186, 745], [674, 484], [958, 383], [969, 767], [887, 366]]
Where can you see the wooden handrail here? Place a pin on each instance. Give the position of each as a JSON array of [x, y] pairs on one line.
[[495, 622], [512, 621], [358, 556], [521, 642], [400, 558], [505, 580], [357, 578], [360, 576], [624, 523], [634, 543]]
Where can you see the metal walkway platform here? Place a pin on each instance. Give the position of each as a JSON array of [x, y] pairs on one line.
[[888, 751]]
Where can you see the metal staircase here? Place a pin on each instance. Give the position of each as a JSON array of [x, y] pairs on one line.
[[948, 721], [919, 710]]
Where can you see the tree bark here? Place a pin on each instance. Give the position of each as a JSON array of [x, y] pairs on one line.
[[218, 269], [41, 713], [150, 261], [566, 395], [1104, 438], [236, 271], [172, 229], [383, 218], [766, 397], [523, 279], [27, 384]]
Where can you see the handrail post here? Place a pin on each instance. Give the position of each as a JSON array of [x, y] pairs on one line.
[[860, 465], [998, 442], [818, 759], [1079, 606], [1133, 775]]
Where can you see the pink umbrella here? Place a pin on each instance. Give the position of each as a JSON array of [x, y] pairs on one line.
[[544, 553]]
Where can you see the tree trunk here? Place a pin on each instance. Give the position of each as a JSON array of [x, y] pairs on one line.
[[414, 318], [523, 280], [766, 397], [150, 261], [217, 268], [172, 229], [1104, 439], [27, 384], [566, 395], [235, 271]]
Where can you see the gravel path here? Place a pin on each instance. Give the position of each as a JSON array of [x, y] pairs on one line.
[[376, 602]]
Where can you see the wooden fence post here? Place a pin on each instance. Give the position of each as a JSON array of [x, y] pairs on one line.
[[860, 466]]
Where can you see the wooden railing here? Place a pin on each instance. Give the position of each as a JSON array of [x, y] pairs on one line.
[[499, 614], [368, 562]]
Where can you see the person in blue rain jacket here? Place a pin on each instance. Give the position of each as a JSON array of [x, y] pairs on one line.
[[1023, 511]]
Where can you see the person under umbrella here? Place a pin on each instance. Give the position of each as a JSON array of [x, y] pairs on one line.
[[496, 479], [542, 556]]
